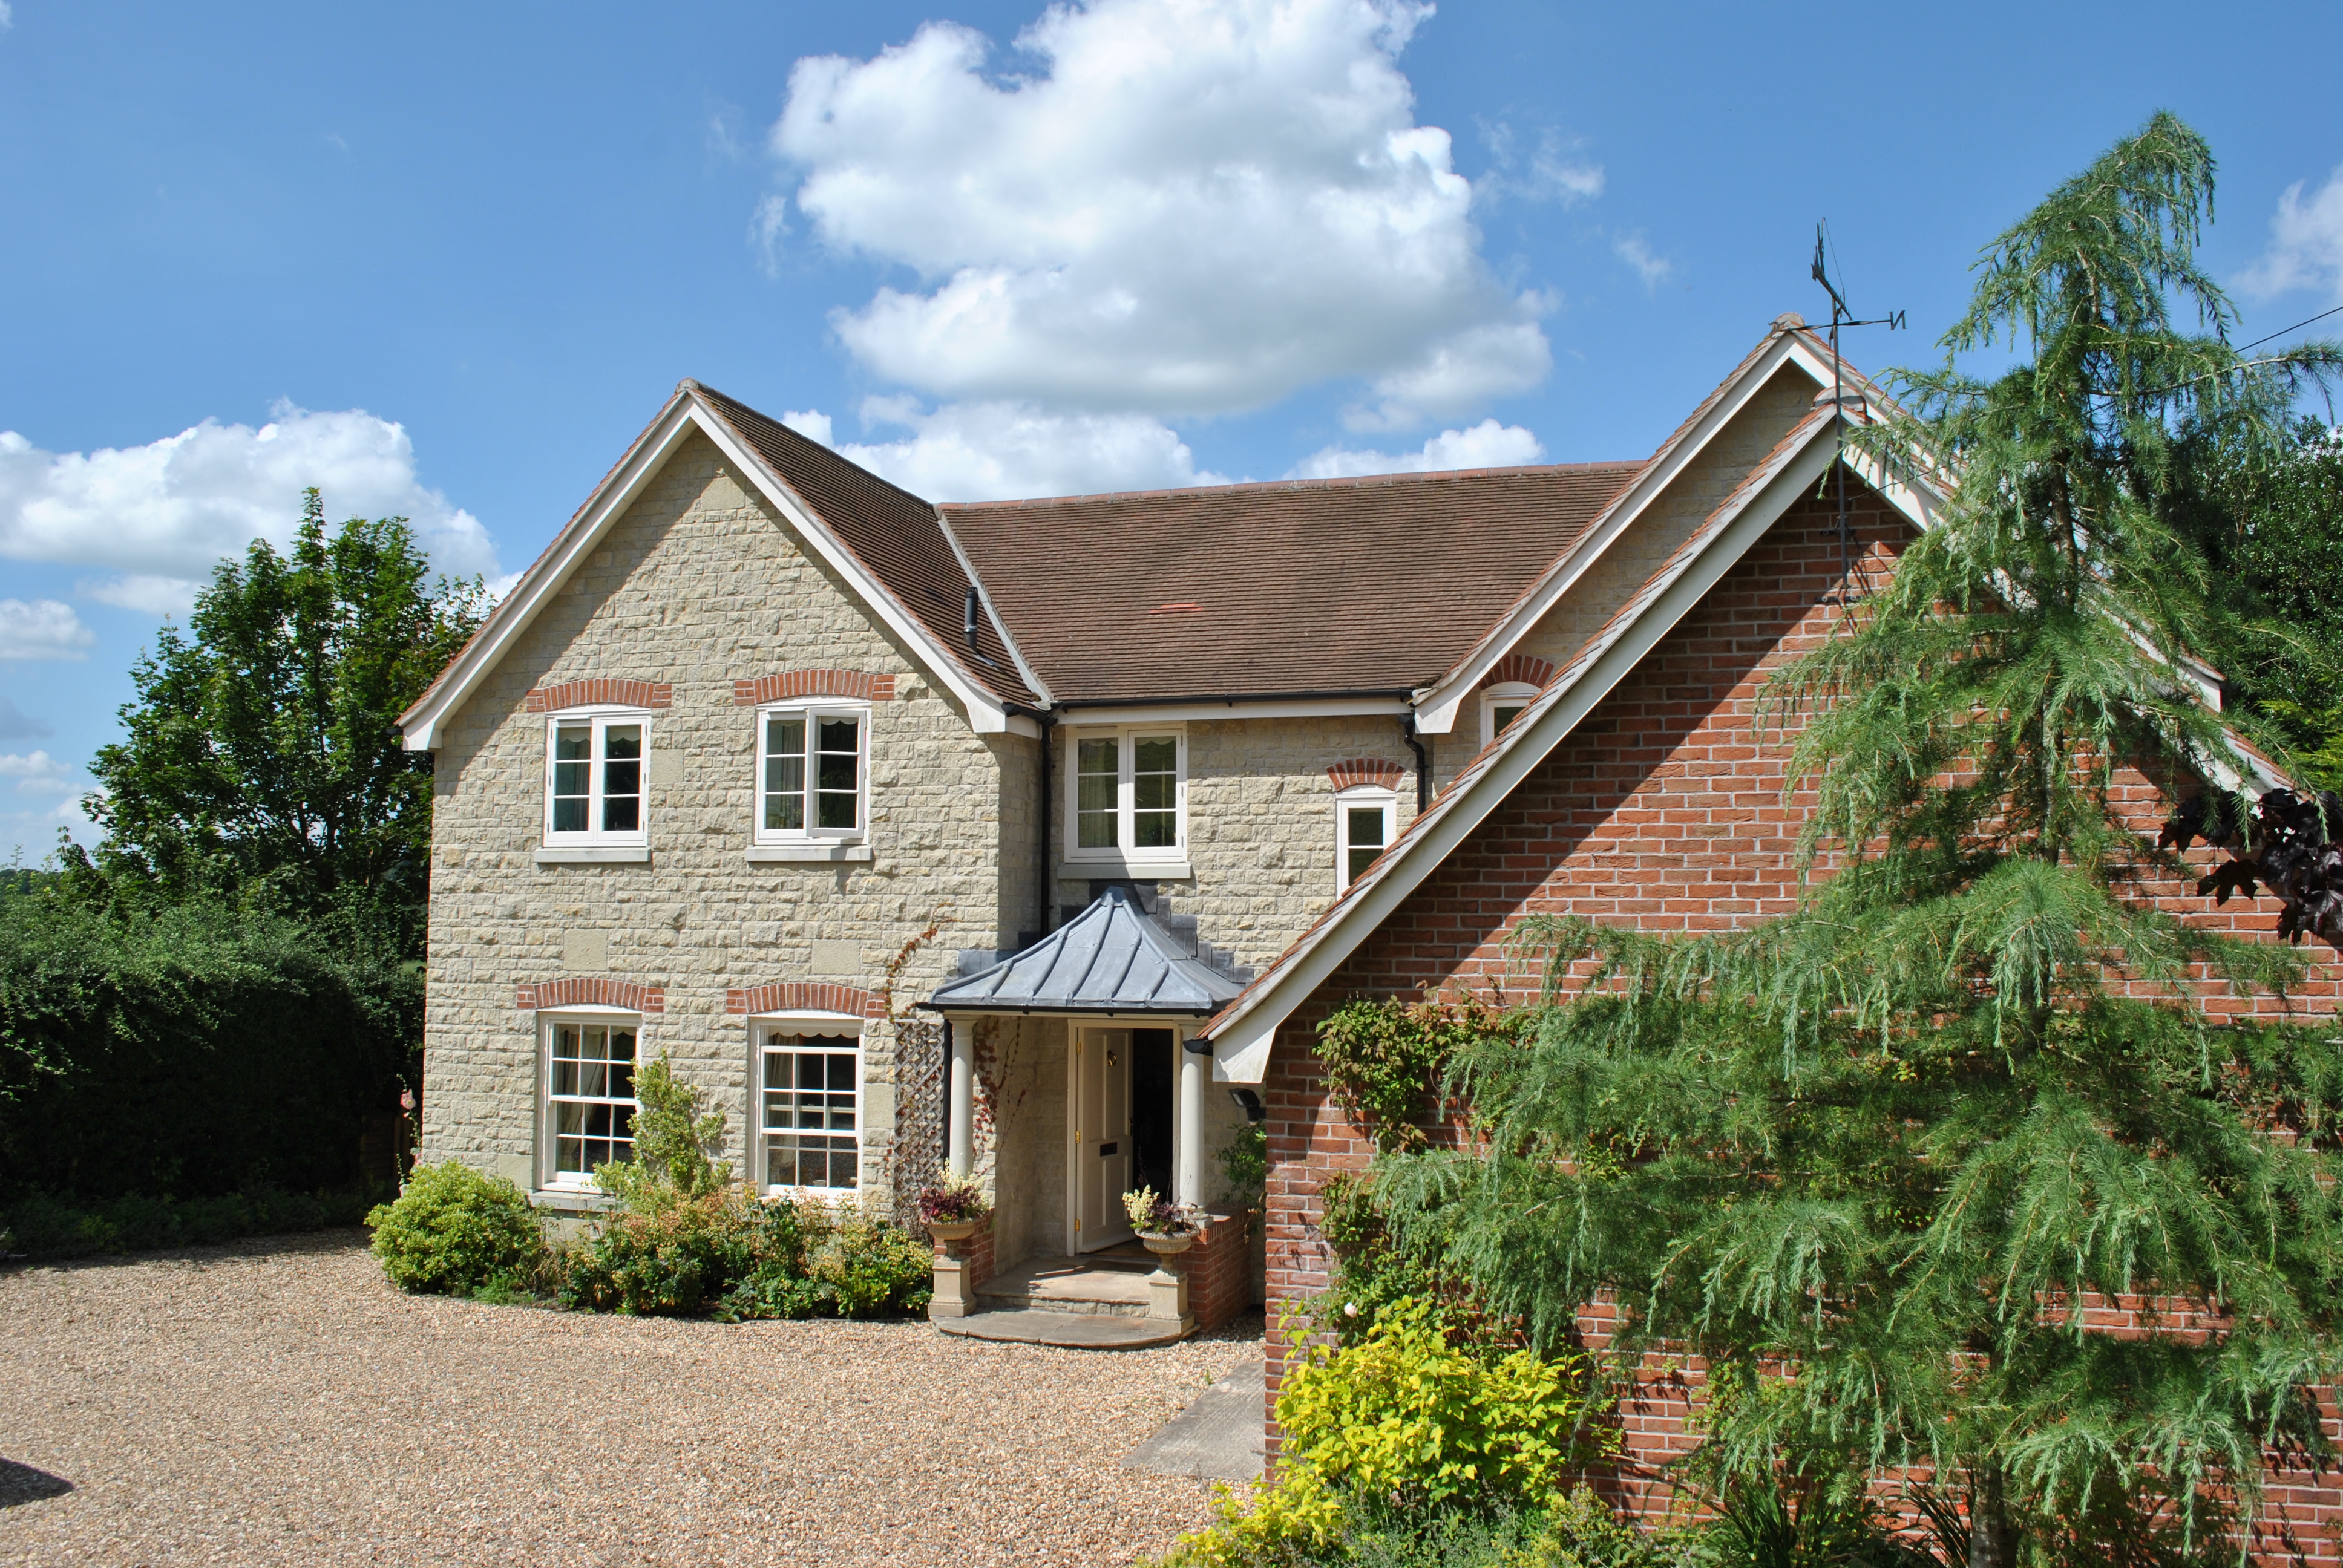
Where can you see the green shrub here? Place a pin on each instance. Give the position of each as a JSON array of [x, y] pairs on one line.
[[868, 1268], [453, 1229], [49, 1227], [1406, 1442], [674, 1260], [675, 1139]]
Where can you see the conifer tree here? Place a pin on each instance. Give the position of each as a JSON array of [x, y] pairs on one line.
[[1871, 1160]]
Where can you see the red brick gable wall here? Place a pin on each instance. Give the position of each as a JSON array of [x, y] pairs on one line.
[[1663, 810]]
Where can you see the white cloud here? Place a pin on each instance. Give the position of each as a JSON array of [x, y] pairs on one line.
[[7, 17], [1196, 206], [45, 628], [38, 773], [161, 514], [1010, 451], [1549, 174], [2305, 247], [15, 724], [810, 423], [1487, 444], [1654, 270]]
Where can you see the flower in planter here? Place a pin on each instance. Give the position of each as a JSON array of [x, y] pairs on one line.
[[951, 1200], [1154, 1216]]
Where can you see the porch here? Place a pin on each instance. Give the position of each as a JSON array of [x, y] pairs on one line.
[[1073, 1081]]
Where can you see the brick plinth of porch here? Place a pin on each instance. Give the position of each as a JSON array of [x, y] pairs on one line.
[[1219, 1270]]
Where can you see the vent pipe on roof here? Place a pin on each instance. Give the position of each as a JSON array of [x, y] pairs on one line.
[[969, 618]]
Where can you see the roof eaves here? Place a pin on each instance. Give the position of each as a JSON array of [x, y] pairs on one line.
[[976, 689], [1647, 483], [520, 603]]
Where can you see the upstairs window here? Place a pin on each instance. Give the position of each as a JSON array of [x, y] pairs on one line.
[[1366, 817], [1129, 795], [1502, 704], [810, 773], [594, 778]]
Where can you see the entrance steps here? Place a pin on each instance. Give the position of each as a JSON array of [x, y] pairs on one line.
[[1098, 1300]]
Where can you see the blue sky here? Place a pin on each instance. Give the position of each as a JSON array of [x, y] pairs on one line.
[[447, 260]]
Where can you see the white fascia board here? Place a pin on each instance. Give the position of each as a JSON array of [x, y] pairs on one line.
[[420, 727], [1074, 715], [1241, 1047], [1438, 705], [986, 713]]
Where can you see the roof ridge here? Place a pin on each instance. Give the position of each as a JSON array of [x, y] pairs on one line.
[[1330, 482]]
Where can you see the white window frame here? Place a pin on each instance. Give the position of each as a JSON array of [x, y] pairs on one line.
[[600, 720], [1122, 853], [812, 713], [549, 1177], [1359, 798], [1505, 694], [765, 1031]]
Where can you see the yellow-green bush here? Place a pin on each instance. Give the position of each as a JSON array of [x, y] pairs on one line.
[[1404, 1426]]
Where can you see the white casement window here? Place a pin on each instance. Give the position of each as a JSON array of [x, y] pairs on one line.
[[809, 1115], [1366, 820], [594, 778], [812, 773], [588, 1111], [1127, 794], [1502, 704]]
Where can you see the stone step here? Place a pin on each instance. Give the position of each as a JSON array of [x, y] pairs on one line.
[[1067, 1285], [1070, 1331]]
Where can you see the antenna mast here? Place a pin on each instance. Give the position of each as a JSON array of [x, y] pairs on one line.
[[1842, 315]]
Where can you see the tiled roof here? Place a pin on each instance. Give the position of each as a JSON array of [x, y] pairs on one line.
[[1291, 588], [892, 532]]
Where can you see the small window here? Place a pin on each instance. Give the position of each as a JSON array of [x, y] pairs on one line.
[[1502, 704], [1129, 795], [812, 1117], [1365, 820], [594, 778], [589, 1098], [810, 773]]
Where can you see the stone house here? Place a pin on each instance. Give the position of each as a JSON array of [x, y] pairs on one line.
[[1033, 836]]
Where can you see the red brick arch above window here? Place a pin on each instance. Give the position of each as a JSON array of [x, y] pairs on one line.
[[1526, 668], [801, 996], [592, 991], [1358, 771], [813, 683], [567, 693]]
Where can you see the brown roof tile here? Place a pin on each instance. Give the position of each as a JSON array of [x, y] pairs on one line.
[[1290, 587]]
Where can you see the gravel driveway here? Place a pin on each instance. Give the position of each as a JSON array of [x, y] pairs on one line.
[[276, 1401]]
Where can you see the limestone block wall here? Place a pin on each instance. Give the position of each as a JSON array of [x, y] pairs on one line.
[[1021, 1142], [697, 586]]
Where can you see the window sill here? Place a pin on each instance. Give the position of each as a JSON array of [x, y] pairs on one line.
[[805, 854], [593, 855], [572, 1200], [1116, 866]]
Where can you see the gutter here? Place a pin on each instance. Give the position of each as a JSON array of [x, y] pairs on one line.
[[1232, 699], [1414, 738]]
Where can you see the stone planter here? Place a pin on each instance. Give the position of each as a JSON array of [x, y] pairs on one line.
[[1168, 1246], [951, 1231]]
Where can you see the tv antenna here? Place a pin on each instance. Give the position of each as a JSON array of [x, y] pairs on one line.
[[1842, 315]]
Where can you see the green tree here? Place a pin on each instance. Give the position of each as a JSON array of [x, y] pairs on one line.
[[263, 757], [1892, 1141], [2272, 532]]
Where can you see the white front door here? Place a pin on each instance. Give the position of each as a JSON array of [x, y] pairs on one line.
[[1097, 1113]]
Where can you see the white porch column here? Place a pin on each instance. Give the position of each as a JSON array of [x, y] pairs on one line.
[[1188, 1157], [962, 1153]]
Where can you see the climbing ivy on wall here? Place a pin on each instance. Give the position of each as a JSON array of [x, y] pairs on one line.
[[1385, 1059]]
